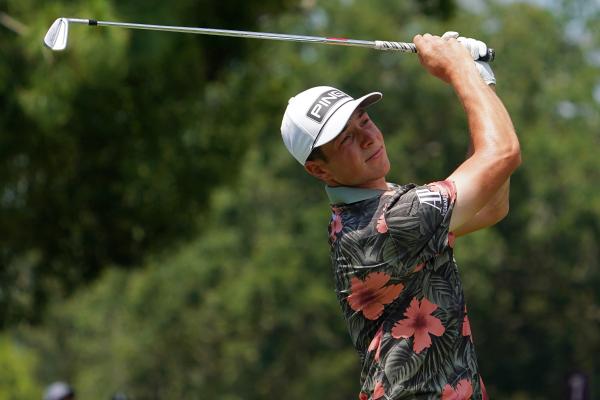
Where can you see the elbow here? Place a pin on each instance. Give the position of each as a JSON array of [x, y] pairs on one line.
[[515, 151], [516, 156], [505, 155], [506, 148], [510, 156]]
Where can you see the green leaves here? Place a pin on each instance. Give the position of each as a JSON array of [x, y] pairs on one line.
[[143, 173], [110, 148], [18, 364]]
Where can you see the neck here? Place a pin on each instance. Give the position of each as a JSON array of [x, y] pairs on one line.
[[379, 184]]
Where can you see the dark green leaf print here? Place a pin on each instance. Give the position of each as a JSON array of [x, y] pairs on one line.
[[401, 363], [437, 289]]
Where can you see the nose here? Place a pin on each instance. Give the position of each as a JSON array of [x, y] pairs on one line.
[[366, 140]]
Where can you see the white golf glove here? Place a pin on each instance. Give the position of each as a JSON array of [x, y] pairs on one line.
[[477, 49]]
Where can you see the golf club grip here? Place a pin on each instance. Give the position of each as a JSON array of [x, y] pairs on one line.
[[411, 48]]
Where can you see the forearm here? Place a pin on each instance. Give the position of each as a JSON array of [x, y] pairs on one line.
[[495, 143], [494, 211], [491, 131], [496, 152]]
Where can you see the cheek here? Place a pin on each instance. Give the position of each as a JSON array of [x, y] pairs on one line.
[[347, 167], [387, 165], [385, 159], [347, 156]]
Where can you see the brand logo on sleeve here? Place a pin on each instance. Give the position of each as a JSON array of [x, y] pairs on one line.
[[324, 103], [433, 199]]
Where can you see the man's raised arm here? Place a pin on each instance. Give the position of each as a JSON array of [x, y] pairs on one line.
[[496, 152]]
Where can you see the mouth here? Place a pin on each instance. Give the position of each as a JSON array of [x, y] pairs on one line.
[[375, 155]]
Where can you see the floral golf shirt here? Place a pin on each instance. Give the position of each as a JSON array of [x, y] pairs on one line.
[[400, 291]]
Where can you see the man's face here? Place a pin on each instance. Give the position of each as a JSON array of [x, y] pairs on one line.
[[356, 157]]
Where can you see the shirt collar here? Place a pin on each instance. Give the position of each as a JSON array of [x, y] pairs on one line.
[[348, 195]]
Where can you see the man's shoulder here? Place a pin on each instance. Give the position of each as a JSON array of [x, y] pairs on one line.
[[438, 195], [400, 194]]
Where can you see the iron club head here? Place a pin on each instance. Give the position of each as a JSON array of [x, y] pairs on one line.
[[56, 37]]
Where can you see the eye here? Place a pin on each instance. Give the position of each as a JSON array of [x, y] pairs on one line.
[[347, 138], [364, 119]]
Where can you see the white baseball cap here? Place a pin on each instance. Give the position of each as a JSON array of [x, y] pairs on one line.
[[316, 116]]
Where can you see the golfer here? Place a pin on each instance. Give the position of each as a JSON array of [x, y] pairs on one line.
[[392, 245]]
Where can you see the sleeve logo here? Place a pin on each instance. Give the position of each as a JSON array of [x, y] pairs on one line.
[[433, 199]]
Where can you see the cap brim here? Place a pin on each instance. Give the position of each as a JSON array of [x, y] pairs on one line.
[[338, 120]]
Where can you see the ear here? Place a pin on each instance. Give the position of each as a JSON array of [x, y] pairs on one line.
[[319, 170]]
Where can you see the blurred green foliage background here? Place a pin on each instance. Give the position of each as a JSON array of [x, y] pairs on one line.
[[157, 239]]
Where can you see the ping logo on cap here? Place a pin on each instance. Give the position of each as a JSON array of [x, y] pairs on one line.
[[323, 104]]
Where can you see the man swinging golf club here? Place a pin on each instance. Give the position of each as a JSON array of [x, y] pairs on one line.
[[392, 245]]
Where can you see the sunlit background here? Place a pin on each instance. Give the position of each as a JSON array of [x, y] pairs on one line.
[[158, 241]]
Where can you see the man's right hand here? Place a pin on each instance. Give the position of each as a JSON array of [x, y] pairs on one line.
[[445, 58], [474, 47]]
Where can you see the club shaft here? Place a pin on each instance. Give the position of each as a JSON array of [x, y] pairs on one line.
[[244, 34], [54, 32]]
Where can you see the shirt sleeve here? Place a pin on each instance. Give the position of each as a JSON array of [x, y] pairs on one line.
[[419, 220]]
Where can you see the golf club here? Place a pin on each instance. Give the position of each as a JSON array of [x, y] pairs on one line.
[[57, 35]]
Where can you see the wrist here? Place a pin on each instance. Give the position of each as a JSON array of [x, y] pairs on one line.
[[466, 79], [471, 91]]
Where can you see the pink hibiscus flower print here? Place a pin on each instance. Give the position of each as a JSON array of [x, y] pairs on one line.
[[335, 226], [371, 295], [463, 391], [378, 392], [444, 187], [376, 343], [363, 396], [381, 224], [419, 323]]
